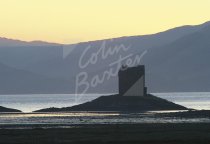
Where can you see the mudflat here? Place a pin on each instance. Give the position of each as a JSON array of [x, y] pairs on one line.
[[157, 133]]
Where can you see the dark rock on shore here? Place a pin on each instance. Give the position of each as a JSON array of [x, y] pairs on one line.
[[121, 104], [3, 109]]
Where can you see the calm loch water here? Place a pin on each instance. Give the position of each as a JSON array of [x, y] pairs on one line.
[[194, 100], [29, 103]]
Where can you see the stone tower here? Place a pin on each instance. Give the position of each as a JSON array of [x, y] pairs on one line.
[[132, 81]]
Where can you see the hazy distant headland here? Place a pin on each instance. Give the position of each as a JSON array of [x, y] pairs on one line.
[[176, 60]]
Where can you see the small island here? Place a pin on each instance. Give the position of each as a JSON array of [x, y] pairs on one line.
[[132, 97], [116, 103]]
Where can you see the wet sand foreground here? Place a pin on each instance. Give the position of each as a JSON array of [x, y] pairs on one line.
[[168, 133]]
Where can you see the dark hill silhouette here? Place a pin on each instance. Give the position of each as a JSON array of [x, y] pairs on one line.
[[15, 81], [121, 104], [182, 65], [3, 109]]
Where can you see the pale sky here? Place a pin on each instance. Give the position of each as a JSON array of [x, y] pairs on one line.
[[72, 21]]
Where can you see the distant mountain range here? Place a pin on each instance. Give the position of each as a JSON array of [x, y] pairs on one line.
[[5, 42], [176, 60]]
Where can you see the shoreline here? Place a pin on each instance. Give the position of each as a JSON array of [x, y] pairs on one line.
[[75, 119]]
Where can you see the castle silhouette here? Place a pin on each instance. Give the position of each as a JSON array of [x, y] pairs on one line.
[[132, 81]]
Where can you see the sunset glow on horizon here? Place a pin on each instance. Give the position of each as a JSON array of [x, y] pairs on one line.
[[72, 21]]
